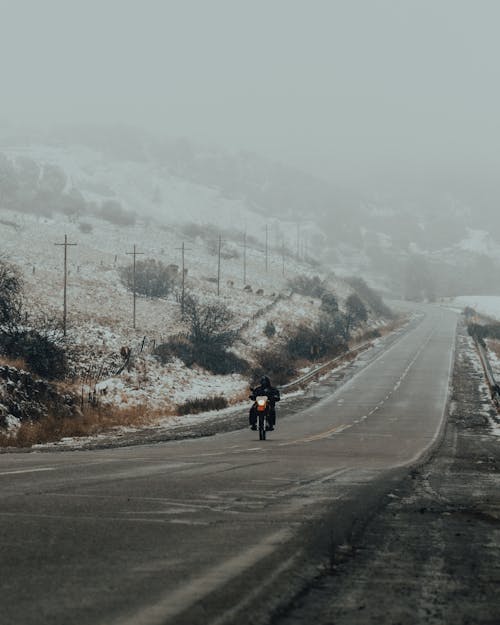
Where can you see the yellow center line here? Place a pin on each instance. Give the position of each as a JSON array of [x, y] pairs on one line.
[[317, 437]]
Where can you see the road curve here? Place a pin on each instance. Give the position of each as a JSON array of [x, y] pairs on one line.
[[177, 532]]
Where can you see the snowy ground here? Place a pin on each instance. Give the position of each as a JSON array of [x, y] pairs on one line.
[[100, 307]]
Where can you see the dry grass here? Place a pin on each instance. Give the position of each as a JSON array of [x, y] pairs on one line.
[[203, 404], [18, 363], [94, 420]]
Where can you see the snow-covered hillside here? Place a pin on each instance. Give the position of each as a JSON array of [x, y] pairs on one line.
[[100, 306], [147, 189], [442, 240]]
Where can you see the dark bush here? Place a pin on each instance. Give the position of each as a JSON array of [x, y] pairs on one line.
[[223, 363], [10, 294], [303, 343], [152, 277], [325, 338], [469, 312], [43, 355], [176, 347], [210, 234], [331, 335], [85, 227], [304, 285], [209, 325], [212, 358], [53, 180], [355, 314], [329, 303], [193, 406], [370, 297], [486, 331], [270, 329], [206, 341], [275, 363], [112, 211]]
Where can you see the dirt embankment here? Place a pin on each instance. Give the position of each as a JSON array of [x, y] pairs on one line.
[[432, 555]]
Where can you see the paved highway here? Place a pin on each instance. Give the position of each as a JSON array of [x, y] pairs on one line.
[[214, 530]]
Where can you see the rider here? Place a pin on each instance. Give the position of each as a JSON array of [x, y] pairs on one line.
[[273, 394]]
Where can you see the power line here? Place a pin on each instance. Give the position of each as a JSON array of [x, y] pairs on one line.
[[65, 304]]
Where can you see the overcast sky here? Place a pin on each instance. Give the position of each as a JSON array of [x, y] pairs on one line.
[[353, 90]]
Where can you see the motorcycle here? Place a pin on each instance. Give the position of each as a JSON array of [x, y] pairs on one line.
[[262, 406]]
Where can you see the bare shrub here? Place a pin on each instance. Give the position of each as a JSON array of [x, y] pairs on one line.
[[42, 354], [303, 342], [85, 227], [325, 338], [329, 303], [270, 329], [210, 333], [370, 297], [193, 406], [483, 331], [40, 343], [275, 363], [304, 285], [207, 340], [331, 335], [152, 278], [177, 346], [356, 313], [113, 211], [11, 287]]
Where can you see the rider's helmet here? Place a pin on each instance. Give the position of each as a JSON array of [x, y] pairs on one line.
[[265, 381]]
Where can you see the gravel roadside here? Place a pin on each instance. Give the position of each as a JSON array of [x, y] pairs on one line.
[[432, 554]]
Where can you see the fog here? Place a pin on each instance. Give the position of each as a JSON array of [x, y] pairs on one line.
[[360, 92]]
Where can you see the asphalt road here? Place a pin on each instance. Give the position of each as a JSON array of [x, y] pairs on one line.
[[219, 529]]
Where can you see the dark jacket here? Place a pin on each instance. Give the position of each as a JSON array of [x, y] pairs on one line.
[[269, 391]]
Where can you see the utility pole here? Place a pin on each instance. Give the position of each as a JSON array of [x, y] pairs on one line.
[[65, 304], [283, 255], [298, 241], [244, 258], [244, 245], [183, 249], [218, 267], [134, 254], [267, 248]]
